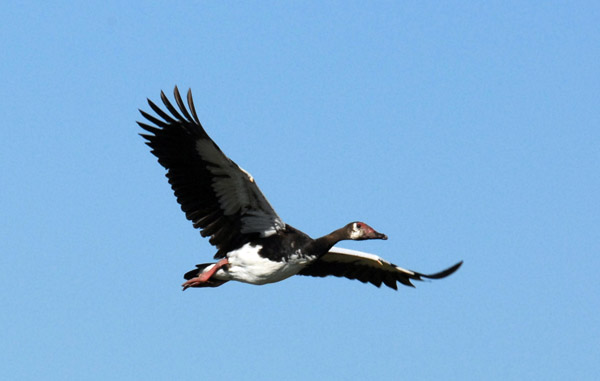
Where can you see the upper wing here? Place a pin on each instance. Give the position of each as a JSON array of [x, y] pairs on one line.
[[215, 193], [366, 267]]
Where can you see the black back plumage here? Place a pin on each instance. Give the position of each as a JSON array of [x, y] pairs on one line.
[[215, 193]]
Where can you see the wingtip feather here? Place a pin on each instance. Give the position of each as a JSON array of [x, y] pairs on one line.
[[191, 106], [444, 273]]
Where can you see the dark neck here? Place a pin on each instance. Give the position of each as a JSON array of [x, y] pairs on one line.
[[322, 245]]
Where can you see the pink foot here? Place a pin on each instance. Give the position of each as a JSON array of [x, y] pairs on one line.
[[205, 277]]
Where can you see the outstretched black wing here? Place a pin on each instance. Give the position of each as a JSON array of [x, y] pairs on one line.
[[366, 267], [217, 195]]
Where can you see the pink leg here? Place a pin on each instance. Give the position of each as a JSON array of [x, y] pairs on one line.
[[204, 277]]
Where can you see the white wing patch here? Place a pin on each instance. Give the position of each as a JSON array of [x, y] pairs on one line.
[[258, 221], [338, 254], [247, 174]]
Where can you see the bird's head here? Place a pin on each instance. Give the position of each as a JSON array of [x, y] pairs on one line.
[[359, 231]]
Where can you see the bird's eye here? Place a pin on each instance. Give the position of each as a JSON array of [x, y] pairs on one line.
[[359, 226]]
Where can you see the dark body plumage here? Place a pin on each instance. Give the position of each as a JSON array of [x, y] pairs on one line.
[[253, 244]]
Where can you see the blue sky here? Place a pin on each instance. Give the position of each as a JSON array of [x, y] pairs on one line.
[[464, 131]]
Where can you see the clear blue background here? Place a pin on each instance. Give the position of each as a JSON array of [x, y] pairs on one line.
[[463, 130]]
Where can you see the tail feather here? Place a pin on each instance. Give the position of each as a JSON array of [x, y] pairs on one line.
[[199, 270]]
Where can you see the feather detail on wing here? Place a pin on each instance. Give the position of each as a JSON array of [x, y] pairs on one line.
[[367, 267], [218, 196]]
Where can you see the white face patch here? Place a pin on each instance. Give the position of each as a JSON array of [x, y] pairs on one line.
[[356, 232]]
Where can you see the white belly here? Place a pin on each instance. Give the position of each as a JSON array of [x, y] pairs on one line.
[[246, 265]]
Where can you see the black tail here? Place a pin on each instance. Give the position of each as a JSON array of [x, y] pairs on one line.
[[197, 271]]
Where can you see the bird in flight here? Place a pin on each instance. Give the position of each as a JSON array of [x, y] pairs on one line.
[[253, 243]]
